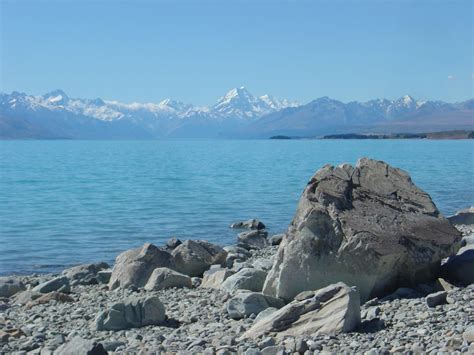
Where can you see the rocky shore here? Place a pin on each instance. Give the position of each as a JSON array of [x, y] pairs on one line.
[[368, 266]]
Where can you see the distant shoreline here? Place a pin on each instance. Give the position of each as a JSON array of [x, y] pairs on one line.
[[441, 135]]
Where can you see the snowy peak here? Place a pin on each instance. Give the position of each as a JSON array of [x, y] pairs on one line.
[[174, 106], [56, 97], [240, 103]]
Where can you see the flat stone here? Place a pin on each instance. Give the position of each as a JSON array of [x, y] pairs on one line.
[[332, 310], [80, 346], [60, 284]]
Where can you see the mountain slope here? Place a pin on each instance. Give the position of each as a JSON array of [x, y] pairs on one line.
[[56, 115], [327, 116]]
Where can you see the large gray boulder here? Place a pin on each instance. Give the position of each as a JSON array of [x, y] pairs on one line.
[[10, 286], [85, 274], [246, 279], [244, 304], [133, 313], [134, 267], [368, 226], [162, 278], [332, 310], [193, 257]]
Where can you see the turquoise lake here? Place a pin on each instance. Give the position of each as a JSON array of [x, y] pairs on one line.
[[69, 202]]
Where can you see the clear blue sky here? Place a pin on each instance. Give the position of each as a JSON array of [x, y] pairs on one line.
[[195, 51]]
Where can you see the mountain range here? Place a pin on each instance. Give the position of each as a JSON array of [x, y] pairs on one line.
[[237, 114]]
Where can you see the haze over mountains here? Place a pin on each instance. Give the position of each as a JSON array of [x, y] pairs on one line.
[[238, 114]]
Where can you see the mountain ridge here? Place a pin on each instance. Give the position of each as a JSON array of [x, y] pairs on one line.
[[237, 114]]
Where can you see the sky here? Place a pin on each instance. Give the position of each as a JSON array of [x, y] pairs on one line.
[[195, 51]]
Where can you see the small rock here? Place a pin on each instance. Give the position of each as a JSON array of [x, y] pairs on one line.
[[173, 243], [103, 276], [246, 303], [133, 313], [468, 334], [48, 297], [162, 278], [276, 239], [255, 238], [274, 350], [78, 345], [85, 274], [10, 286], [245, 279], [215, 278], [193, 257], [4, 337], [436, 299]]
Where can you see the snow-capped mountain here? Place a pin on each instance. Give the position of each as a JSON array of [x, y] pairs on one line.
[[240, 103], [329, 116], [236, 114], [237, 103]]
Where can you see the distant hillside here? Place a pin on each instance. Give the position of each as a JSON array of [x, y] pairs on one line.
[[327, 116]]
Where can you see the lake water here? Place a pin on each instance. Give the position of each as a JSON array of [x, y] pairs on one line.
[[69, 202]]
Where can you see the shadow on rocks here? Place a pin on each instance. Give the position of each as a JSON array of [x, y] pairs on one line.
[[371, 326], [171, 323]]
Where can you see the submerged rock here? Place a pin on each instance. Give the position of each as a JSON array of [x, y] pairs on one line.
[[331, 310], [249, 224], [134, 267], [193, 257], [133, 313], [367, 226]]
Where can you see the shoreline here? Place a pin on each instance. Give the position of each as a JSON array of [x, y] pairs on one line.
[[368, 265], [388, 325]]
